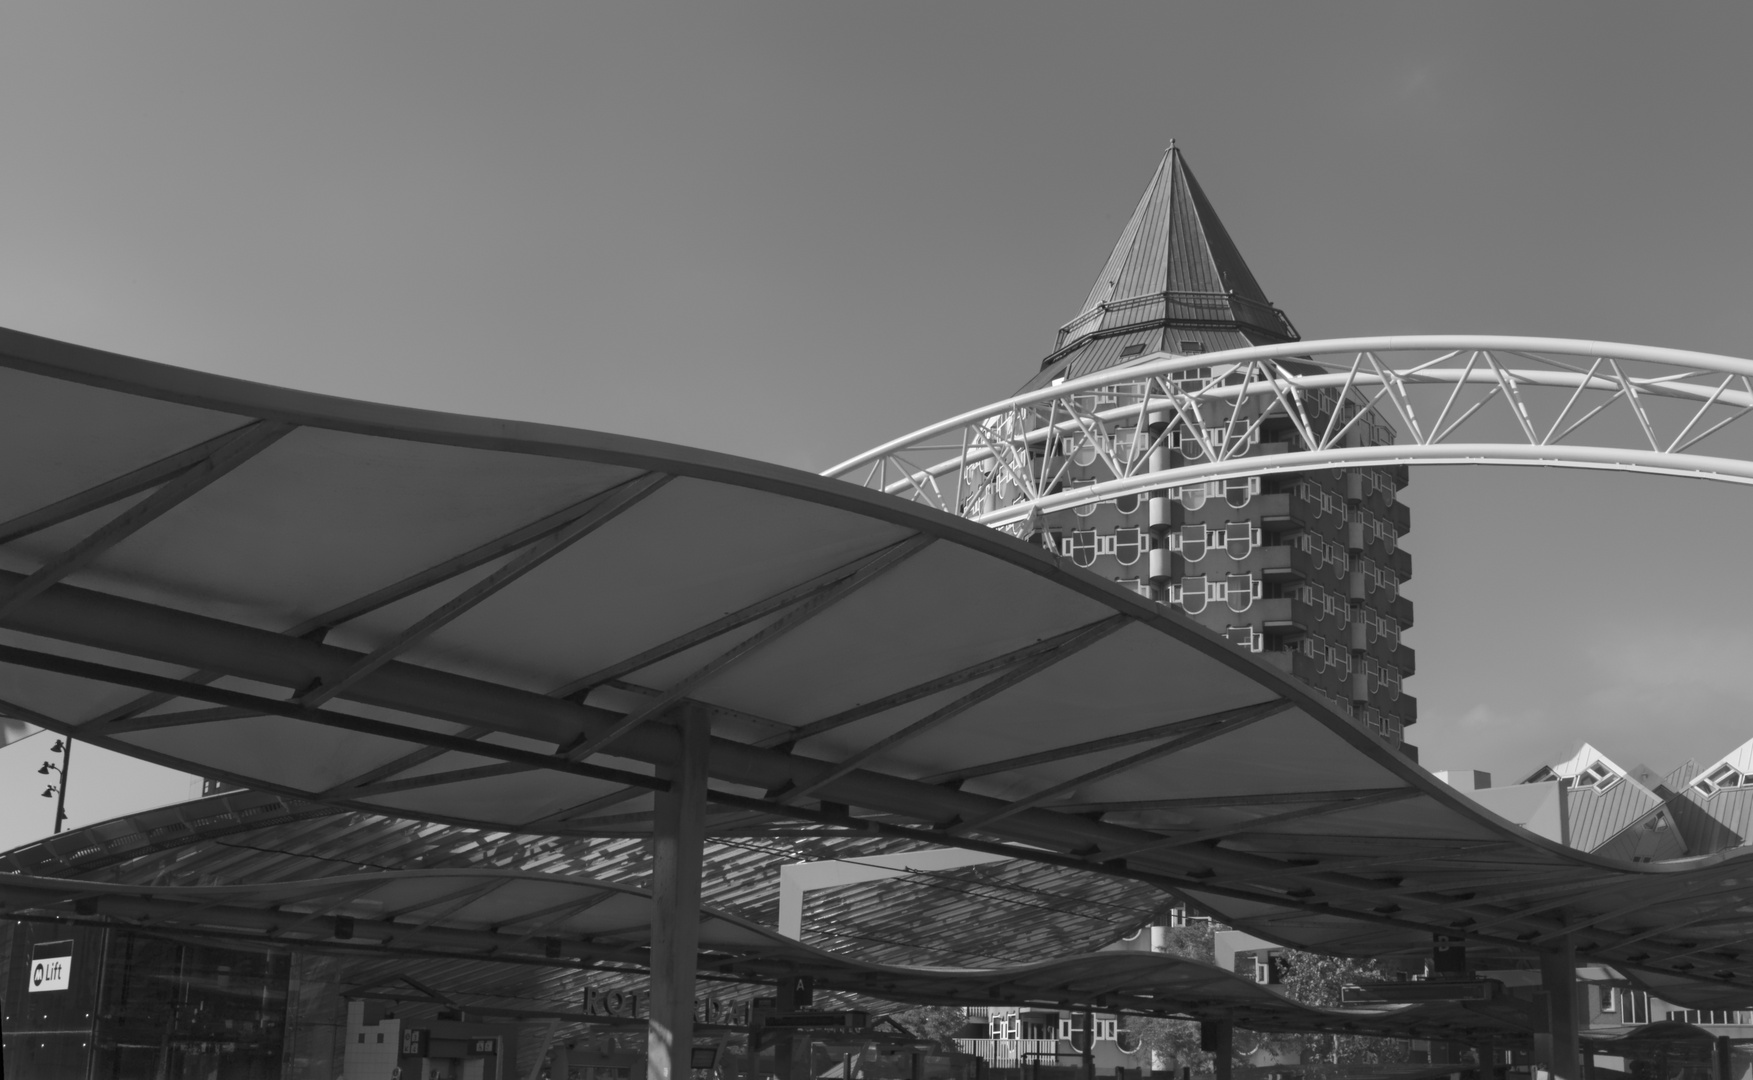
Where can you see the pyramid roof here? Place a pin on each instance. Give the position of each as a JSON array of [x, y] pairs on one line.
[[1175, 282]]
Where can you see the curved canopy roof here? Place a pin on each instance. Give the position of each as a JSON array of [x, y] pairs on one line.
[[490, 623], [991, 915], [502, 917]]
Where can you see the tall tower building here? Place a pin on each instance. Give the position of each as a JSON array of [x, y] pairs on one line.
[[1304, 569]]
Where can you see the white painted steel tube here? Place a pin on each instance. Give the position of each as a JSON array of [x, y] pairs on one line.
[[1574, 457], [1166, 364]]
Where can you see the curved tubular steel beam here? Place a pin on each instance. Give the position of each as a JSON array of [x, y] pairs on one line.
[[1694, 466], [1345, 402]]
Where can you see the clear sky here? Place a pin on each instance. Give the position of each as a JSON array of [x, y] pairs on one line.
[[793, 230]]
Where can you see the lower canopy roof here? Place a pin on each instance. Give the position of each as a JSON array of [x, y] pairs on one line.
[[499, 917], [493, 624]]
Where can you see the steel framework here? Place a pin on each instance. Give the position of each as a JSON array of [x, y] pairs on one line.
[[1348, 402]]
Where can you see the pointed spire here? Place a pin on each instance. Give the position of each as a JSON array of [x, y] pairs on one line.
[[1175, 271]]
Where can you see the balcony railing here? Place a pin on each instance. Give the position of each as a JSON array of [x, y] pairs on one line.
[[1006, 1053]]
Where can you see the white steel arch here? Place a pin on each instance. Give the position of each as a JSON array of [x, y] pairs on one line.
[[1348, 402]]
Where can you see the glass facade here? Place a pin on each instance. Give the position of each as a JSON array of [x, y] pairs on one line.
[[139, 1007]]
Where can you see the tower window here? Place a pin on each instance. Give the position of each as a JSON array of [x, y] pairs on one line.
[[1128, 545], [1132, 350], [1083, 547]]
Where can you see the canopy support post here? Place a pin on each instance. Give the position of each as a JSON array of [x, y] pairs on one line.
[[1089, 1042], [678, 842], [1558, 980], [1486, 1051], [1218, 1038]]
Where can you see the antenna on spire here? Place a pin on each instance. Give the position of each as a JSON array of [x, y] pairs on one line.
[[1171, 146]]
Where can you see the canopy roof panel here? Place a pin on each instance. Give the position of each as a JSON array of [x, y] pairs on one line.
[[491, 919], [493, 624]]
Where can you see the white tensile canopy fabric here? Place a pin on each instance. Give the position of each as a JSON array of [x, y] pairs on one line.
[[491, 623]]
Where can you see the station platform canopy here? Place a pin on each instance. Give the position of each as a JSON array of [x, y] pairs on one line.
[[529, 942], [493, 624]]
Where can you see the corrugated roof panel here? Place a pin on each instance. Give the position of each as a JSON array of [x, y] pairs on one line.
[[1729, 810], [1108, 352], [1174, 244], [1597, 816], [1190, 268], [1232, 272], [1144, 271], [1697, 820], [1651, 838]]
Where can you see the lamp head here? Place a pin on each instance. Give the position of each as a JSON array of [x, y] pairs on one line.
[[58, 747], [49, 792], [43, 769]]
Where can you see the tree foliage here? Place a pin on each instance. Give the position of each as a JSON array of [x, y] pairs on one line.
[[1315, 979], [935, 1024]]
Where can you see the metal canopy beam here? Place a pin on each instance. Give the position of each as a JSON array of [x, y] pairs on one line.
[[228, 455], [784, 624]]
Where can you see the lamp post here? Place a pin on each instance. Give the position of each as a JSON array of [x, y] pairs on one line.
[[59, 791]]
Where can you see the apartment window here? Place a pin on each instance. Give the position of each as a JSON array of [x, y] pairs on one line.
[[1106, 1029], [1128, 444], [1240, 538], [1192, 595], [1105, 543], [1194, 540], [1609, 999], [1723, 776], [1087, 508], [1138, 586], [1597, 776], [1083, 547], [1246, 637], [1128, 545], [1127, 504], [1241, 590], [1237, 490], [1193, 495], [1189, 445]]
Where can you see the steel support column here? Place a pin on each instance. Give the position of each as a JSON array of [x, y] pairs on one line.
[[1089, 1043], [1558, 980], [1486, 1051], [678, 840], [1218, 1037]]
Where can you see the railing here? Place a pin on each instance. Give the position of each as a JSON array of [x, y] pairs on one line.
[[1164, 422], [1006, 1053]]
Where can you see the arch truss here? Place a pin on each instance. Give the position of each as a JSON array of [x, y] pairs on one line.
[[1169, 422]]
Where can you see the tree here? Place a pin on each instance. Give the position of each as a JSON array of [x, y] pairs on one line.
[[1314, 979], [1174, 1044], [939, 1025]]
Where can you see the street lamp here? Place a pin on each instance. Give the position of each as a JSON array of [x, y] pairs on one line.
[[65, 748]]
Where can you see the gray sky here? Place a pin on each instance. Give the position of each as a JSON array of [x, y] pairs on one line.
[[793, 230]]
